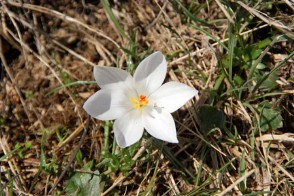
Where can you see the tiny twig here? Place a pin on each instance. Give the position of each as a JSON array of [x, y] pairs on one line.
[[73, 156], [229, 188]]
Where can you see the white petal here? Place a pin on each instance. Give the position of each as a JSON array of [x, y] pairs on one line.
[[172, 95], [161, 126], [128, 129], [150, 73], [111, 77], [107, 105]]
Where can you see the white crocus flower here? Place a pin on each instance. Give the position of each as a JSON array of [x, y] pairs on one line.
[[138, 102]]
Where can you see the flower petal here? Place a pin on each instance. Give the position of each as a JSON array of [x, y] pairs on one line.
[[150, 73], [172, 95], [111, 77], [128, 129], [107, 105], [161, 126]]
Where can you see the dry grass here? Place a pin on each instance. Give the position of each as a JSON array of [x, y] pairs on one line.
[[47, 45]]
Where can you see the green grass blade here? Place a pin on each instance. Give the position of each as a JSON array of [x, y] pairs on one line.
[[242, 170], [17, 147], [232, 45], [79, 82], [191, 15], [106, 6], [202, 157], [271, 72], [152, 181], [43, 163]]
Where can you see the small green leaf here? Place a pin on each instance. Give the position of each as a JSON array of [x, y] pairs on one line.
[[260, 66], [21, 150], [254, 53], [2, 122], [238, 80], [269, 83], [84, 184], [264, 43], [29, 94], [210, 117], [79, 158], [17, 146], [270, 116], [64, 75], [28, 145], [113, 162]]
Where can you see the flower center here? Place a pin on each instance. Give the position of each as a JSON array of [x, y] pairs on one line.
[[139, 103]]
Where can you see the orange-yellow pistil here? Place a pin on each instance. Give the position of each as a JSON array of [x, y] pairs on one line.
[[139, 103]]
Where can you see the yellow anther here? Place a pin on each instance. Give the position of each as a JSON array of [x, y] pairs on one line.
[[139, 103], [133, 99]]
